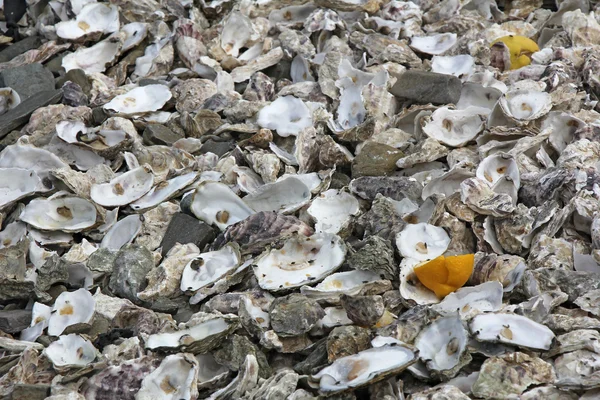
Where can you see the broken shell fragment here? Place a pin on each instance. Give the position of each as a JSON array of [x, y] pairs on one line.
[[435, 44], [333, 210], [175, 378], [287, 115]]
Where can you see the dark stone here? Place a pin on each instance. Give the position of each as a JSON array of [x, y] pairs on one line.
[[20, 47], [186, 229], [79, 77], [11, 289], [427, 87], [13, 12], [131, 266], [99, 115], [339, 180], [294, 314], [375, 159], [14, 321], [19, 115], [218, 148], [104, 339], [315, 361], [394, 187], [148, 81], [185, 205], [55, 64], [24, 391], [28, 79], [73, 95], [102, 261], [159, 134]]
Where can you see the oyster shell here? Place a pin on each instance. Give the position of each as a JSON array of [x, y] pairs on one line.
[[511, 329], [123, 189], [71, 308], [302, 260], [71, 351], [60, 213], [215, 203], [422, 241]]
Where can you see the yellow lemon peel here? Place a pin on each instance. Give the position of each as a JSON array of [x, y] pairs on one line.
[[520, 48], [444, 275]]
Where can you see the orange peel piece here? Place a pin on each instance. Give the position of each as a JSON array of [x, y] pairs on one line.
[[444, 275], [520, 48]]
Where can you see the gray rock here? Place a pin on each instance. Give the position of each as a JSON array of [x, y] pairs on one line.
[[375, 159], [315, 361], [218, 148], [363, 310], [79, 77], [20, 47], [14, 321], [55, 270], [129, 274], [24, 391], [99, 115], [73, 95], [12, 289], [427, 87], [102, 261], [394, 187], [377, 255], [159, 134], [28, 79], [13, 261], [20, 114], [186, 229], [294, 314]]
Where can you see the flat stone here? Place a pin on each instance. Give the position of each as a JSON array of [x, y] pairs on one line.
[[218, 148], [375, 159], [23, 391], [427, 87], [20, 47], [160, 134], [187, 229], [28, 79], [99, 115], [14, 321], [19, 115]]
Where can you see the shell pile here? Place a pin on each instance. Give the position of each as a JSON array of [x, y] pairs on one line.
[[228, 199]]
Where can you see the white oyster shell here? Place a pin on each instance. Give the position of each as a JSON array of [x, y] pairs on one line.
[[197, 333], [123, 189], [209, 370], [175, 378], [92, 59], [350, 283], [75, 132], [442, 343], [237, 30], [207, 268], [122, 232], [134, 32], [12, 234], [496, 166], [9, 99], [479, 96], [523, 105], [447, 183], [361, 368], [140, 100], [454, 127], [284, 196], [94, 17], [410, 286], [333, 210], [422, 241], [302, 260], [27, 157], [17, 183], [40, 316], [511, 329], [71, 351], [435, 44], [71, 308], [164, 191], [214, 203], [461, 66], [68, 214], [287, 115], [468, 301]]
